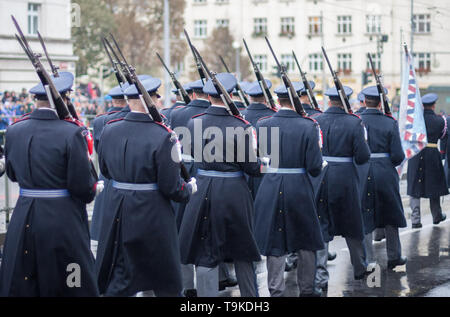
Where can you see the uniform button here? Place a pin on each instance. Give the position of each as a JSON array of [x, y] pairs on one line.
[[420, 169], [421, 157], [368, 194], [26, 278], [26, 252], [203, 238], [206, 198], [368, 209], [205, 218], [281, 211], [321, 200], [368, 178], [420, 181], [279, 229], [28, 226], [281, 193], [115, 242], [117, 219], [319, 217]]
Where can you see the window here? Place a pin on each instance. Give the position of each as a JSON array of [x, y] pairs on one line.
[[376, 62], [287, 26], [288, 61], [222, 1], [373, 24], [200, 28], [344, 24], [345, 62], [315, 25], [261, 61], [222, 23], [199, 1], [422, 61], [315, 62], [33, 18], [422, 23], [260, 26]]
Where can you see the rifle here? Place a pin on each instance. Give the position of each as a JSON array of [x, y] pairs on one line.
[[238, 87], [53, 95], [219, 87], [200, 69], [309, 91], [261, 80], [118, 74], [55, 73], [339, 87], [125, 70], [293, 95], [384, 102], [181, 91], [147, 101]]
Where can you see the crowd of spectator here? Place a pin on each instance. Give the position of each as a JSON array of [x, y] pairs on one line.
[[85, 98]]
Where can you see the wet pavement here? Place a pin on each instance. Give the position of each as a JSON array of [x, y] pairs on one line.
[[427, 272]]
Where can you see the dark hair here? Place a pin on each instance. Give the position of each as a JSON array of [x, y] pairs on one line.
[[372, 102]]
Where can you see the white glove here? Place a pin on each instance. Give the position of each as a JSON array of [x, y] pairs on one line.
[[265, 161], [324, 164], [193, 183], [99, 188], [2, 165]]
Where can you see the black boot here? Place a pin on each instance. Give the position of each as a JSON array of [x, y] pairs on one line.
[[394, 263]]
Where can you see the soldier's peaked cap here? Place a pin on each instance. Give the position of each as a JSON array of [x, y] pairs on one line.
[[63, 83], [227, 80], [333, 93], [254, 89], [311, 83], [186, 87], [282, 92], [151, 85], [429, 99], [197, 85], [118, 92], [372, 92], [361, 97]]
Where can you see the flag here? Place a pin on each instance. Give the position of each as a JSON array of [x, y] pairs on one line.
[[412, 127]]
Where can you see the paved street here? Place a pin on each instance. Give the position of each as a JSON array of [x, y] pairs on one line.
[[427, 272]]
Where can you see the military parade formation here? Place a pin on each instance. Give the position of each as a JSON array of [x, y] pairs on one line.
[[227, 176]]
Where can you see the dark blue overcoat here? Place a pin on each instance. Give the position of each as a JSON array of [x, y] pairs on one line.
[[218, 220], [138, 247], [286, 218], [46, 235], [339, 195], [382, 204], [426, 177]]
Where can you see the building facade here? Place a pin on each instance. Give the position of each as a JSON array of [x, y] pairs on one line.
[[348, 29], [53, 20]]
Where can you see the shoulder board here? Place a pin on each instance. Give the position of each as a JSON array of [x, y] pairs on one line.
[[25, 115], [264, 118], [242, 119], [274, 110], [20, 120], [198, 115], [163, 126], [115, 120], [78, 124], [391, 117], [107, 113], [179, 107], [354, 114], [309, 118]]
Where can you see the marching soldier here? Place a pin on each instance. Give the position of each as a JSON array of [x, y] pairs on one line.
[[179, 120], [426, 177], [339, 204], [306, 102], [362, 105], [120, 109], [138, 246], [286, 218], [218, 221], [382, 205], [48, 236], [257, 109]]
